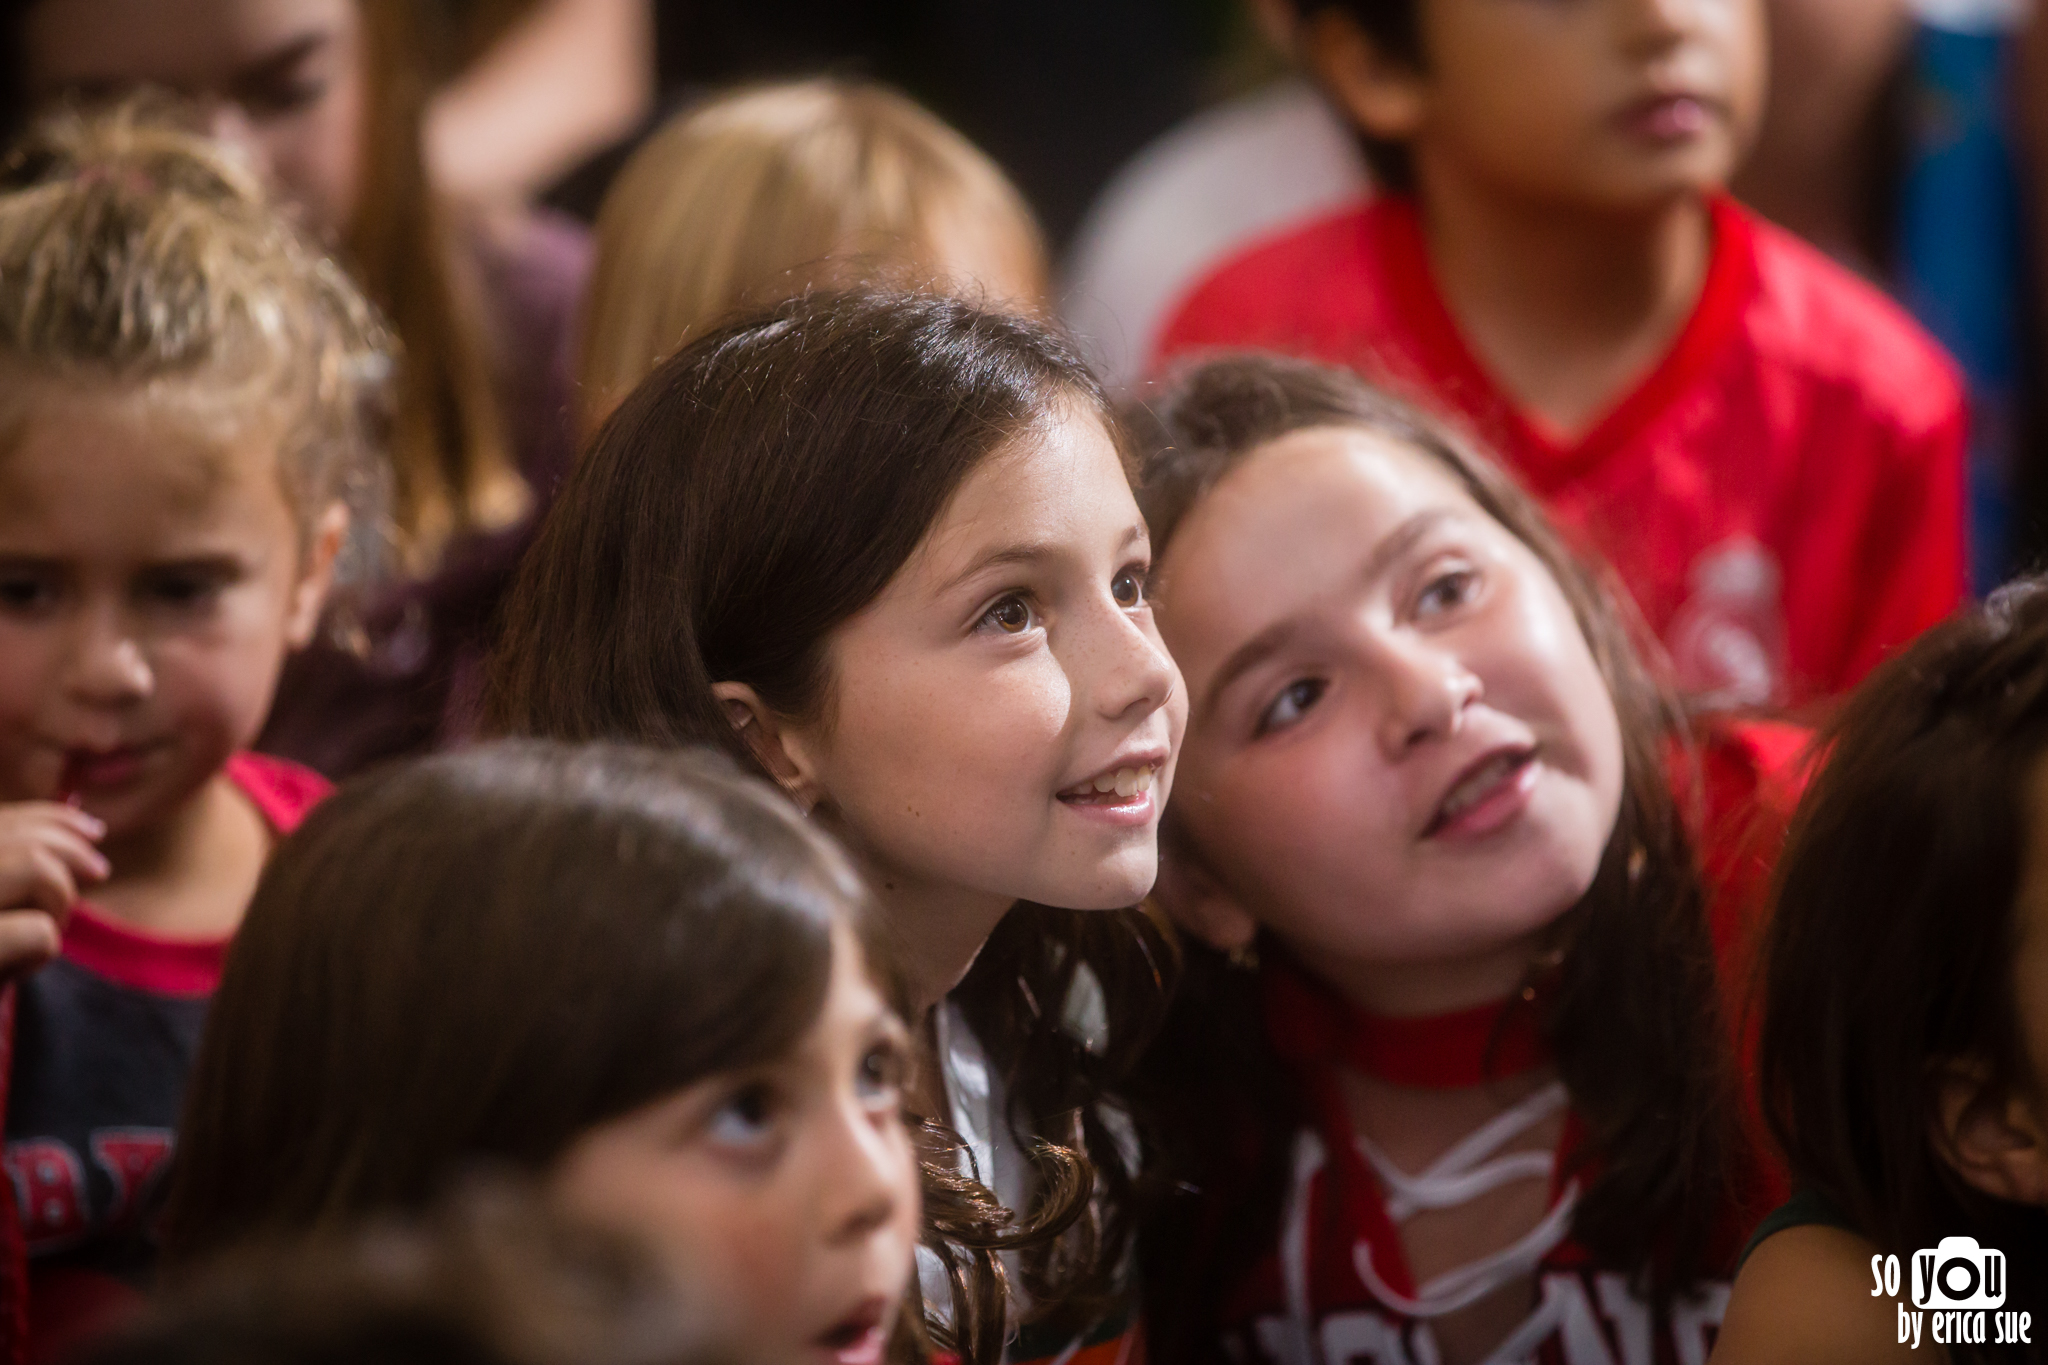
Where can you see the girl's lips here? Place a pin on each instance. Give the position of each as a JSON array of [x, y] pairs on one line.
[[1136, 809], [859, 1338], [1487, 797], [87, 770]]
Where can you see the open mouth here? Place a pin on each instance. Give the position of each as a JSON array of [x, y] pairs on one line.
[[1112, 786], [1494, 780], [858, 1338]]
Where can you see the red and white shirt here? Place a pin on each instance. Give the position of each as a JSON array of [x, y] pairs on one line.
[[1783, 493]]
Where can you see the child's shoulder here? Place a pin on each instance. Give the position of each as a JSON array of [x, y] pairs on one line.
[[1814, 316], [1306, 288], [282, 791], [1804, 1298]]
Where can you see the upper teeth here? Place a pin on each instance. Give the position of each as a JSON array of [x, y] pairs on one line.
[[1468, 792], [1124, 781]]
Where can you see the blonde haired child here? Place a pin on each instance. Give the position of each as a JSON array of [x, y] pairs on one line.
[[191, 396], [754, 196]]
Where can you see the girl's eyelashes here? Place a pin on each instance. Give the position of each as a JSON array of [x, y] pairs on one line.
[[1011, 614], [26, 590], [880, 1075], [746, 1120], [1290, 706], [1132, 587], [183, 588], [1446, 585]]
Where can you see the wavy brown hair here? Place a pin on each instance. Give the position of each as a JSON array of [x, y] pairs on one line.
[[1629, 1002], [759, 488], [1895, 930]]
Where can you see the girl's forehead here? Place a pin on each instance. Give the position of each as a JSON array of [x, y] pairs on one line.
[[1316, 486], [64, 445], [1056, 484]]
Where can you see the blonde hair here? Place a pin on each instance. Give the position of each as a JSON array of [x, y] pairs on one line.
[[138, 255], [453, 466], [762, 193]]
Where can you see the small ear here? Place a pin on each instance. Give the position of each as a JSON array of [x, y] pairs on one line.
[[316, 575], [1380, 92], [775, 745], [1195, 900], [1992, 1136]]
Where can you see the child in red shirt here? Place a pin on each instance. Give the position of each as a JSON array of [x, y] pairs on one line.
[[1471, 1095], [1769, 452], [186, 384]]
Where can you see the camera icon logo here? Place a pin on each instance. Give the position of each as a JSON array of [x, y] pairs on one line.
[[1958, 1274]]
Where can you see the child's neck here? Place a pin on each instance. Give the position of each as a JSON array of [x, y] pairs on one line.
[[1567, 306], [1416, 990], [192, 873], [935, 929]]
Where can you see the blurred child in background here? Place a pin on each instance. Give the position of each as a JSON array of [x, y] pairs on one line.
[[1471, 1095], [327, 97], [1905, 1036], [490, 1276], [755, 196], [191, 405], [882, 548], [1767, 450], [634, 975]]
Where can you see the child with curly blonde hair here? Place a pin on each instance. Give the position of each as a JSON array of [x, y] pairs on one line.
[[189, 396]]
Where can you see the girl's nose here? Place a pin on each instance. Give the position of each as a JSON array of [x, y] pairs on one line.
[[871, 1174], [1426, 694], [1139, 676], [108, 666]]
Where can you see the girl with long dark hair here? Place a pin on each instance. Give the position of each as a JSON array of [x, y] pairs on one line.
[[634, 977], [1469, 1093], [882, 548], [1905, 1035]]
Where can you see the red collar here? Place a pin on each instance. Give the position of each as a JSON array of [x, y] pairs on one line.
[[1493, 1042], [1539, 455]]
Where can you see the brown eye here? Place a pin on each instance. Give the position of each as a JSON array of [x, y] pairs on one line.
[[1012, 616], [1128, 589]]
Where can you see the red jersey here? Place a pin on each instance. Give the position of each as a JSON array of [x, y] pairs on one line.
[[1337, 1289], [1783, 493]]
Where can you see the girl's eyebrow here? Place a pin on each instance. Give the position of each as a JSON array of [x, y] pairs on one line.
[[1268, 642], [1032, 552]]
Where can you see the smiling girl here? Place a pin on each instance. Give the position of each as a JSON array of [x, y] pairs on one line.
[[883, 549], [1480, 1079], [186, 383]]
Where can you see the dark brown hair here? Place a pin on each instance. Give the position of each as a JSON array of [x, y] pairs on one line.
[[488, 1276], [1395, 28], [758, 489], [1892, 944], [1631, 1006], [482, 955]]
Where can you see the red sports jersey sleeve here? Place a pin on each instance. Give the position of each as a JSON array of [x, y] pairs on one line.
[[1783, 493]]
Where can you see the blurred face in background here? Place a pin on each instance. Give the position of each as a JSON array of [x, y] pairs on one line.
[[281, 80], [1614, 104]]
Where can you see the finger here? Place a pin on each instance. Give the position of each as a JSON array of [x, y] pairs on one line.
[[79, 855], [28, 939], [29, 815], [45, 884]]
